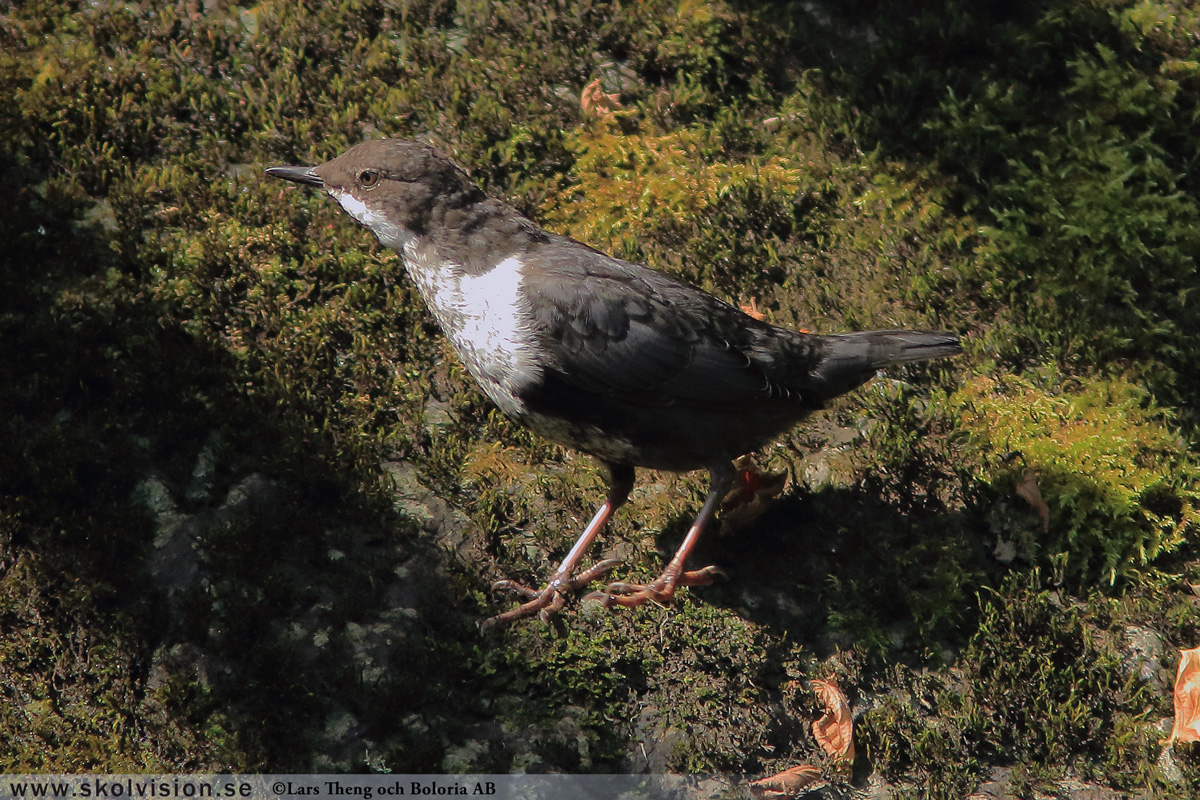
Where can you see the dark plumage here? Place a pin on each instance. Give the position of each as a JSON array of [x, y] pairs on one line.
[[635, 367]]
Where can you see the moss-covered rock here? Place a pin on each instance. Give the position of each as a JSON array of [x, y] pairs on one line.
[[250, 505]]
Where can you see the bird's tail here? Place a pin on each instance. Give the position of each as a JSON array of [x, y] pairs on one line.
[[850, 359]]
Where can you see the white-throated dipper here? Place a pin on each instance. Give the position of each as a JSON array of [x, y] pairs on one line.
[[632, 366]]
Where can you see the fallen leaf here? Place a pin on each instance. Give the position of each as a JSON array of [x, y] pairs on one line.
[[1187, 698], [788, 783], [750, 498], [1028, 491], [835, 729], [596, 102]]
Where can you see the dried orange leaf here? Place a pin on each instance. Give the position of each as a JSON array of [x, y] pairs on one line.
[[788, 783], [1187, 698], [1027, 490], [835, 729], [596, 102]]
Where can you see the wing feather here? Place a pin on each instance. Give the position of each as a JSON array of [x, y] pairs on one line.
[[615, 329]]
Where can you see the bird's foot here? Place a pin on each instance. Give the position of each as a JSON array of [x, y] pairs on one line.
[[550, 599], [751, 496], [661, 590]]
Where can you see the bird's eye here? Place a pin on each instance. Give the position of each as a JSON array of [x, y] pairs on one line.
[[368, 178]]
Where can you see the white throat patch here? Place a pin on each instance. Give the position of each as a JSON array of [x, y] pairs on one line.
[[388, 233]]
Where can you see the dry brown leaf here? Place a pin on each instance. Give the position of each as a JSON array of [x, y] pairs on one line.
[[1028, 491], [835, 729], [1187, 698], [596, 102], [788, 783]]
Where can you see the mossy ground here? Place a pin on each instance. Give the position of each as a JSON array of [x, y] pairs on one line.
[[250, 505]]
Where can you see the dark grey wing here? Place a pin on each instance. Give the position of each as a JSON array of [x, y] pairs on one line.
[[627, 332]]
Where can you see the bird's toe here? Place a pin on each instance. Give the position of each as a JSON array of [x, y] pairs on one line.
[[551, 599]]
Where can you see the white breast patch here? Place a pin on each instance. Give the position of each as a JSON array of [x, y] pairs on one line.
[[487, 319]]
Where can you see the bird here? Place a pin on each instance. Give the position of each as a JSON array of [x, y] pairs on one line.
[[630, 365]]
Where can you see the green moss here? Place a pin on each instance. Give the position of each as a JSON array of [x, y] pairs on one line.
[[1041, 684], [634, 187], [192, 348], [1122, 486], [1065, 128]]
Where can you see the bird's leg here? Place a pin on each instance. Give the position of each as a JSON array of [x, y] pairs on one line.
[[552, 597], [674, 576]]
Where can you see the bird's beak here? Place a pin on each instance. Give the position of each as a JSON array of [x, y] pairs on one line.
[[303, 175]]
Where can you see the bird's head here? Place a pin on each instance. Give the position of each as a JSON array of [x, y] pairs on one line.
[[394, 187]]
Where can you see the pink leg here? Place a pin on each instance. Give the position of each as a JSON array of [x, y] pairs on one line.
[[552, 597], [663, 588]]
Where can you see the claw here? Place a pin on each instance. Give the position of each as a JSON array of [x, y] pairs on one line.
[[551, 599], [661, 590], [507, 585]]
